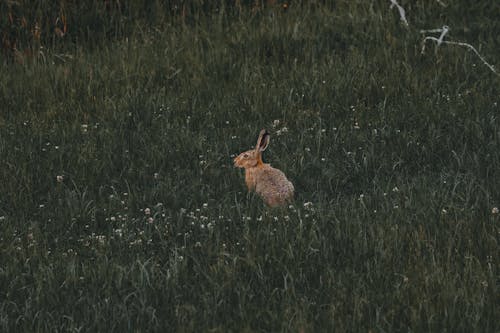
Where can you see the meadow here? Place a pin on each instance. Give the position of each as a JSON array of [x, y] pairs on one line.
[[120, 208]]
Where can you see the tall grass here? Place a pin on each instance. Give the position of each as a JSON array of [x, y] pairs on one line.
[[121, 210]]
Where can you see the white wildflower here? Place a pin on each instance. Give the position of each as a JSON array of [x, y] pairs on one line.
[[281, 131], [308, 205]]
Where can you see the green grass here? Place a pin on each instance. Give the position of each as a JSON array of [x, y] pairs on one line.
[[398, 153]]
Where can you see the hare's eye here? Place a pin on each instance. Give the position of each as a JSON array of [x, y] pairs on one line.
[[245, 155]]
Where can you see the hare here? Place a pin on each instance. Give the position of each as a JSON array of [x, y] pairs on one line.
[[269, 183]]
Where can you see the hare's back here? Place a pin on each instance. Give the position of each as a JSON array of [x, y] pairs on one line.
[[273, 186]]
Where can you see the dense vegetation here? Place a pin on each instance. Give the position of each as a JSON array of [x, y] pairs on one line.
[[120, 209]]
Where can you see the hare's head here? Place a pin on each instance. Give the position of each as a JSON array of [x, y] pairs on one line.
[[252, 158]]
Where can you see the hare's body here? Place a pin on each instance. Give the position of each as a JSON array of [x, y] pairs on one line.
[[269, 183]]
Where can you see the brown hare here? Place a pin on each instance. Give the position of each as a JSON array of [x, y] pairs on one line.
[[269, 183]]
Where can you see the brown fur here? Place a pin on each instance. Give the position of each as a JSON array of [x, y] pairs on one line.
[[269, 183]]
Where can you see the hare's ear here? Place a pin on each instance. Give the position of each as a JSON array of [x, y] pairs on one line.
[[263, 140]]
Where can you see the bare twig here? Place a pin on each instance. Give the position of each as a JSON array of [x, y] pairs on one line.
[[431, 30], [401, 10], [444, 30], [491, 67]]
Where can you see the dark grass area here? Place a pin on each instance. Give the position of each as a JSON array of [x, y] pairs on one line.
[[394, 156]]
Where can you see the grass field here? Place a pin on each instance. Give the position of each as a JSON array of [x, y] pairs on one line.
[[120, 209]]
